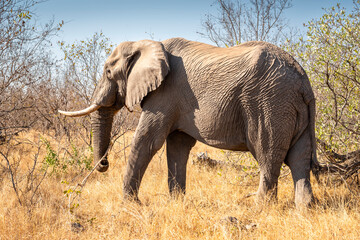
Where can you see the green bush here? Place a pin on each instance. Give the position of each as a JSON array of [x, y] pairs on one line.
[[330, 56], [75, 159]]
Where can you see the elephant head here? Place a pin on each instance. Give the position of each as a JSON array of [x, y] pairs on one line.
[[132, 71]]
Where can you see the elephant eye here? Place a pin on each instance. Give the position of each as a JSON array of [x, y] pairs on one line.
[[108, 73]]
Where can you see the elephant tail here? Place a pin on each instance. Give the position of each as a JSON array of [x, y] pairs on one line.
[[315, 166]]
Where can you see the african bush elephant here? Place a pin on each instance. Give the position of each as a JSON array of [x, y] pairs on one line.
[[252, 97]]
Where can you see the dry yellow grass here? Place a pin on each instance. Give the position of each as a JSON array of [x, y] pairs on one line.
[[213, 195]]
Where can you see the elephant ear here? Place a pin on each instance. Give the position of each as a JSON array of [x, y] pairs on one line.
[[147, 69]]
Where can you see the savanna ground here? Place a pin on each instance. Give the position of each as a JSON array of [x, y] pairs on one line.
[[215, 206]]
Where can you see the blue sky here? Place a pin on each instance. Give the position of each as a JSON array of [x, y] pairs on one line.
[[125, 20]]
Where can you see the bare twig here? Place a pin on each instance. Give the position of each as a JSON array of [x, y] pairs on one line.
[[12, 177]]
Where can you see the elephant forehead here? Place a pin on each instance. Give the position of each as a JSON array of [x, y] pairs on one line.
[[123, 49]]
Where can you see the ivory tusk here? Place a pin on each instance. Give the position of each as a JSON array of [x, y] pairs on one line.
[[80, 113]]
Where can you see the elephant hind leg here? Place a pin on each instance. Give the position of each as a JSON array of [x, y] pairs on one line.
[[270, 153], [270, 166], [178, 146], [299, 161]]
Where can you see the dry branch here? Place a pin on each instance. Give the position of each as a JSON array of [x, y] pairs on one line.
[[13, 181], [345, 165], [203, 159]]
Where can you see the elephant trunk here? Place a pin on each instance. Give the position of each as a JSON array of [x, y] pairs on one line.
[[101, 123]]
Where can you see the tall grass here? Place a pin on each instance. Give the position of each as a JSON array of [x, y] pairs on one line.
[[214, 207]]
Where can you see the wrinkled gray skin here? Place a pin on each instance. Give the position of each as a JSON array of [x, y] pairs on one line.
[[253, 97]]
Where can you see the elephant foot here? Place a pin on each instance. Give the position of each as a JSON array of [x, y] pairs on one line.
[[132, 198], [177, 194], [103, 166], [267, 191], [131, 193], [303, 194], [270, 197]]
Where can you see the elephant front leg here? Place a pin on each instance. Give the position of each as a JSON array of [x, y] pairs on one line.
[[178, 146], [147, 141]]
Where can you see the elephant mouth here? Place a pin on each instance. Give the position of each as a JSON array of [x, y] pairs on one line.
[[82, 112]]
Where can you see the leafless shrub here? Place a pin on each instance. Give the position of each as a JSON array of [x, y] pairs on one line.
[[25, 180], [25, 62]]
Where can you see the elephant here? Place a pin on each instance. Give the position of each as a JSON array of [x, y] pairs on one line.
[[252, 97]]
